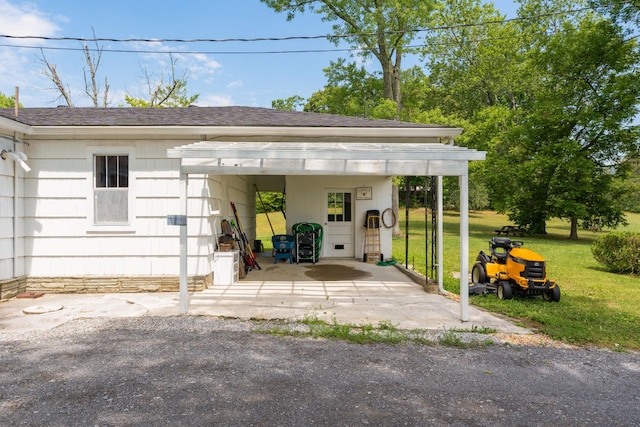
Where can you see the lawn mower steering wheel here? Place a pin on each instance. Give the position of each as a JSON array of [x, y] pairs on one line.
[[516, 243]]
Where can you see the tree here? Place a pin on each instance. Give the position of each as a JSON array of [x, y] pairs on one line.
[[379, 28], [99, 96], [161, 94], [7, 101], [551, 98], [578, 128], [350, 91], [622, 11], [290, 104], [629, 186], [475, 65]]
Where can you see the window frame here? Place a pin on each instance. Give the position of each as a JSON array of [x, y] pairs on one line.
[[345, 216], [92, 153]]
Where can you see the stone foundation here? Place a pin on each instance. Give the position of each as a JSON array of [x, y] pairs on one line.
[[12, 287], [117, 284]]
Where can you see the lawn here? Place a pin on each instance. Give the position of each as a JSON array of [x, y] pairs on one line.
[[597, 307]]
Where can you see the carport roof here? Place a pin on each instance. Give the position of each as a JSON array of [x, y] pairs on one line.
[[324, 158]]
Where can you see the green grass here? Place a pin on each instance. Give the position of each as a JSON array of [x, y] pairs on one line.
[[597, 307], [385, 332], [263, 230]]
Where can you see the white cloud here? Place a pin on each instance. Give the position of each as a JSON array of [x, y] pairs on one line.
[[18, 65], [214, 100], [24, 19], [234, 84]]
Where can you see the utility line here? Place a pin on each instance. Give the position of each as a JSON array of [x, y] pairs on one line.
[[189, 52], [290, 38]]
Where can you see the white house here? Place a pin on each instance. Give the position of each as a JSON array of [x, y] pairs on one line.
[[85, 193]]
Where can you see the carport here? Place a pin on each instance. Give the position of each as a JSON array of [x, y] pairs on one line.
[[382, 151]]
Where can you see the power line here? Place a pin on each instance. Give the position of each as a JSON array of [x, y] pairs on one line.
[[188, 52], [291, 38]]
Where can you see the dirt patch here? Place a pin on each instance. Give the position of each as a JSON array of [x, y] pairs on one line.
[[331, 272], [537, 340]]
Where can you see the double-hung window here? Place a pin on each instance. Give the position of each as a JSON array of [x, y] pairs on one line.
[[111, 189]]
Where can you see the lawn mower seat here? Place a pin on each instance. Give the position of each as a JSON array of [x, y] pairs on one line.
[[500, 247]]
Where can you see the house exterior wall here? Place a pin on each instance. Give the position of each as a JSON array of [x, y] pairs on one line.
[[11, 214], [6, 216], [62, 241], [12, 265], [306, 203], [239, 190]]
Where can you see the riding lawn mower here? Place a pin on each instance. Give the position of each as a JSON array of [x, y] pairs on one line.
[[511, 269]]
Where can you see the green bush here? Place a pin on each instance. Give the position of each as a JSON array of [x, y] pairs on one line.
[[619, 252]]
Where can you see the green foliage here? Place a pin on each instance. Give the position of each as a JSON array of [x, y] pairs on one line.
[[289, 104], [629, 186], [555, 116], [474, 66], [618, 252], [350, 91], [576, 127], [173, 94], [375, 29], [272, 202], [7, 101]]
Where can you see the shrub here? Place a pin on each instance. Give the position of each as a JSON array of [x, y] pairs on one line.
[[619, 252]]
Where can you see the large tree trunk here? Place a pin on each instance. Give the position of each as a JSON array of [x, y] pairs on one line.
[[538, 227], [574, 229], [395, 198]]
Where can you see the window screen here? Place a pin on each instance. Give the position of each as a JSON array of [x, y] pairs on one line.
[[111, 195]]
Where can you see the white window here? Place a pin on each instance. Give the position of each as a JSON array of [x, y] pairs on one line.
[[339, 207], [111, 189]]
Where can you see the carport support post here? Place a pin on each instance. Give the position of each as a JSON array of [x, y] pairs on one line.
[[440, 238], [464, 247], [184, 295]]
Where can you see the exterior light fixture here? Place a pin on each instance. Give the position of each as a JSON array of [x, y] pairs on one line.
[[18, 157]]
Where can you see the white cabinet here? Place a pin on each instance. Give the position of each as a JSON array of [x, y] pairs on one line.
[[226, 267]]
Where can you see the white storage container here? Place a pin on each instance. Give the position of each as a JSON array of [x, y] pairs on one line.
[[226, 267]]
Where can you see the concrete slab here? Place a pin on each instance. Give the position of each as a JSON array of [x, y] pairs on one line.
[[364, 294]]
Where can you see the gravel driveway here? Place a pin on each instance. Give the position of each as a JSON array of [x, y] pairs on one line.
[[189, 370]]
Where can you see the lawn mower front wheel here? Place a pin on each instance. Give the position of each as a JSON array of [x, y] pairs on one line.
[[504, 290], [552, 295]]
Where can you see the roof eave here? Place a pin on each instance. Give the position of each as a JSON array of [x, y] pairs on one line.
[[13, 126], [212, 132]]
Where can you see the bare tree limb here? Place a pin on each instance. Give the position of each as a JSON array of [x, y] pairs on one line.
[[90, 82], [51, 73]]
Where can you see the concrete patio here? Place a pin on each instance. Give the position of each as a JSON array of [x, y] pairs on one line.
[[341, 290]]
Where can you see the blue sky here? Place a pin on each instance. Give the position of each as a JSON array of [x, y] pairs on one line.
[[220, 78]]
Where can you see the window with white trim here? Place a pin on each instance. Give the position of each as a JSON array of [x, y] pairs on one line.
[[339, 207], [111, 189]]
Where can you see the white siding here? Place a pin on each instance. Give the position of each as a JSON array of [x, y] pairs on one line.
[[306, 203], [11, 240], [62, 240]]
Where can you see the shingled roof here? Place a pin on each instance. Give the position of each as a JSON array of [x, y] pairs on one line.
[[194, 116]]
